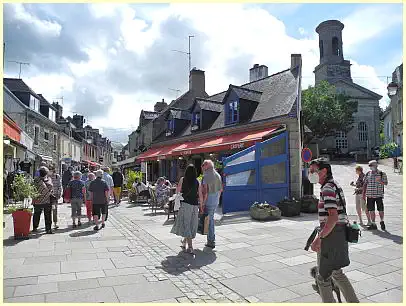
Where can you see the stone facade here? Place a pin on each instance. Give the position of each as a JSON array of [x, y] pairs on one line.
[[333, 68], [396, 105]]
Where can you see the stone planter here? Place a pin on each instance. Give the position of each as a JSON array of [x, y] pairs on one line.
[[290, 208], [265, 212], [309, 204]]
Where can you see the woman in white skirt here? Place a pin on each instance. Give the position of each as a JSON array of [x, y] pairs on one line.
[[360, 203], [188, 215]]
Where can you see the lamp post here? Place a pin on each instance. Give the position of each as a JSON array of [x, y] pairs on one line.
[[392, 89]]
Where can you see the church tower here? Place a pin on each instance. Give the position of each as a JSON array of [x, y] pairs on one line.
[[332, 65]]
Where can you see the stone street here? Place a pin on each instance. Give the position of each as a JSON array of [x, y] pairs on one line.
[[136, 259]]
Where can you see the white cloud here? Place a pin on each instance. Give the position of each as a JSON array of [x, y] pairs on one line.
[[232, 31]]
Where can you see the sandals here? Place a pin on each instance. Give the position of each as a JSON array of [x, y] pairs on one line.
[[190, 251], [183, 244]]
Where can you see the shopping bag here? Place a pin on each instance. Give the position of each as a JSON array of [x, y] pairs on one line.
[[67, 195], [178, 198], [203, 225]]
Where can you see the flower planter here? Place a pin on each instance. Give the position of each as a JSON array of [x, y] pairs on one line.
[[264, 212], [290, 208], [309, 204], [22, 222]]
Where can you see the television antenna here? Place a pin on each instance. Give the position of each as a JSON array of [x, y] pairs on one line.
[[189, 54], [177, 92], [19, 63]]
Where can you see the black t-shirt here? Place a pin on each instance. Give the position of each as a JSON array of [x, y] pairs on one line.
[[99, 188], [190, 194]]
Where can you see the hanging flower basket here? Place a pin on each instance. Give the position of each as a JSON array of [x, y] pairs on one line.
[[264, 212], [290, 208], [309, 204]]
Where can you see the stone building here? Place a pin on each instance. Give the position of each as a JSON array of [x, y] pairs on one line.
[[36, 116], [396, 106], [333, 68]]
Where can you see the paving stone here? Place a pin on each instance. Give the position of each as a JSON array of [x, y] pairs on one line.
[[297, 260], [56, 278], [139, 293], [266, 258], [283, 278], [391, 296], [13, 262], [249, 285], [395, 278], [21, 281], [277, 296], [130, 262], [252, 299], [357, 275], [303, 288], [125, 271], [31, 270], [183, 300], [82, 256], [380, 269], [372, 286], [45, 259], [90, 274], [79, 284], [395, 262], [90, 251], [311, 298], [8, 292], [40, 298], [237, 254], [17, 255], [35, 289], [121, 280], [367, 246], [111, 255], [86, 265], [368, 259], [97, 295]]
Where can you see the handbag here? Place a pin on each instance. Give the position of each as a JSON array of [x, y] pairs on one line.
[[67, 195], [203, 225]]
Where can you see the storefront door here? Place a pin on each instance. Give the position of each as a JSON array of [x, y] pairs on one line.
[[257, 174]]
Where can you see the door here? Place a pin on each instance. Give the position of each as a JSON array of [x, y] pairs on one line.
[[257, 174], [273, 169]]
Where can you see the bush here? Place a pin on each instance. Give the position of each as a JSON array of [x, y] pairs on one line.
[[23, 188], [388, 150], [132, 176]]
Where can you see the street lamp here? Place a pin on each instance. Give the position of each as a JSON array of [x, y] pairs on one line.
[[392, 89]]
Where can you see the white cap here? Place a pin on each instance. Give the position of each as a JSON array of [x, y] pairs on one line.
[[372, 162], [99, 173]]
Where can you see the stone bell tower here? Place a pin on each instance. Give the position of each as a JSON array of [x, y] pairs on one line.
[[332, 65]]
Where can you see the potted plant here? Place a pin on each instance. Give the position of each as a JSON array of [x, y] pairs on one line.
[[24, 192], [132, 176], [264, 212], [290, 207], [309, 204]]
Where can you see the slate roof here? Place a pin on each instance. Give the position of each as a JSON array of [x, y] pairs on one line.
[[246, 93], [18, 85], [180, 114], [210, 105], [44, 101]]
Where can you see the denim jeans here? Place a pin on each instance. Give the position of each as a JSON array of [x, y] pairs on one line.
[[211, 206]]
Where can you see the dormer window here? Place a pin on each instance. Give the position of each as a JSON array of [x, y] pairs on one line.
[[195, 121], [34, 103], [52, 115], [232, 112], [171, 127]]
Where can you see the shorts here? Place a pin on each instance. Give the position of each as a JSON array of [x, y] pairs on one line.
[[360, 202], [371, 204], [117, 191], [97, 208], [76, 205]]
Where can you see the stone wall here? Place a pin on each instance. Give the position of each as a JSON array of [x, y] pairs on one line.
[[295, 158]]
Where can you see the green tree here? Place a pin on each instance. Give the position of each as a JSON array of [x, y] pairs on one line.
[[325, 110]]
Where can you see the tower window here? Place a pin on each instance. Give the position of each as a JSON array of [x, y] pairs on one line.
[[321, 47], [335, 47]]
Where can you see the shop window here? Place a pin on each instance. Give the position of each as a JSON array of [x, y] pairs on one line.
[[362, 132], [232, 112], [274, 149], [273, 174], [36, 134], [243, 159], [241, 178]]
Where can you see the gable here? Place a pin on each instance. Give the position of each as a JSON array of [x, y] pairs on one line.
[[355, 91]]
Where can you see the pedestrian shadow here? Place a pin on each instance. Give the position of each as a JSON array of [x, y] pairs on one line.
[[385, 234], [176, 265], [82, 234]]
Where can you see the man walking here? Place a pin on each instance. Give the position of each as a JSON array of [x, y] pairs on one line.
[[41, 203], [118, 180], [211, 190], [331, 244], [66, 178], [373, 191], [99, 194], [57, 187]]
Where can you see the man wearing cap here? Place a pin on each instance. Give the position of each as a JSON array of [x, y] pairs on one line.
[[373, 192], [331, 244], [99, 195]]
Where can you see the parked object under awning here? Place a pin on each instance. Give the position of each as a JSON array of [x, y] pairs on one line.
[[215, 144], [45, 157]]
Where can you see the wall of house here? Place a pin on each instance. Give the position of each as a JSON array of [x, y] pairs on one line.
[[14, 109], [387, 128], [295, 159]]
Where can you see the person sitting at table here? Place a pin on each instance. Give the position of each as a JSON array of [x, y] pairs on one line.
[[162, 190], [142, 189]]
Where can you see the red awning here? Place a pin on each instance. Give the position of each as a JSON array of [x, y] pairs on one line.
[[11, 129], [224, 143], [215, 144]]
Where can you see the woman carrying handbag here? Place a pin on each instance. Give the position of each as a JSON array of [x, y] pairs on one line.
[[187, 220]]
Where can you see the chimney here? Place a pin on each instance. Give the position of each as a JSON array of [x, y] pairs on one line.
[[160, 106], [295, 61], [197, 81], [78, 121], [258, 72], [59, 110]]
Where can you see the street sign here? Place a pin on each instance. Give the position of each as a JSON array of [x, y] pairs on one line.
[[306, 155]]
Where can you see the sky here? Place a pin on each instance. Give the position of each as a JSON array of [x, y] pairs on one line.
[[110, 61]]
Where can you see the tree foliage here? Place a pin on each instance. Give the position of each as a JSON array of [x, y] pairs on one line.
[[325, 110]]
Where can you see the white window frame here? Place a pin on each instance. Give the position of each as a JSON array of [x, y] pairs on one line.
[[341, 140], [46, 131], [52, 117], [362, 133], [34, 103]]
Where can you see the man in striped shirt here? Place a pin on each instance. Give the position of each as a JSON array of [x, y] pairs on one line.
[[331, 244], [373, 191]]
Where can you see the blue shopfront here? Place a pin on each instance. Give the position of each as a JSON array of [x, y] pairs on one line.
[[257, 174]]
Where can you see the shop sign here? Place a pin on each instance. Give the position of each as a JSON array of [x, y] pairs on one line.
[[187, 152], [237, 146]]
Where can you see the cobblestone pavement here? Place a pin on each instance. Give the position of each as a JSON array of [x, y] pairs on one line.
[[136, 259]]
